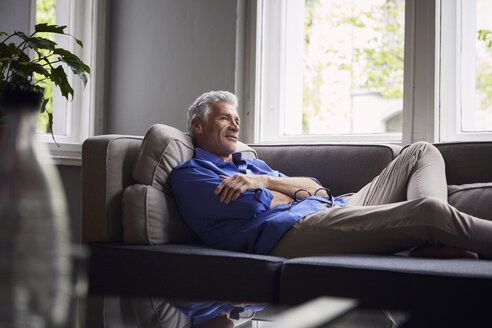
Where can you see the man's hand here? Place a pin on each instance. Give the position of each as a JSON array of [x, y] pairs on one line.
[[232, 187], [279, 198]]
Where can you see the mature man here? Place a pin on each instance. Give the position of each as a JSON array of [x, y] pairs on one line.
[[243, 205]]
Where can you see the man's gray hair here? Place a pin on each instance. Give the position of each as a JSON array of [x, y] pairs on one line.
[[202, 105]]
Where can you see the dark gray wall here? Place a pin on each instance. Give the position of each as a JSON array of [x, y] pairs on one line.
[[70, 176], [161, 55], [15, 15], [164, 54]]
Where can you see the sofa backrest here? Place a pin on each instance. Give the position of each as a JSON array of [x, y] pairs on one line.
[[108, 160], [344, 168], [467, 162]]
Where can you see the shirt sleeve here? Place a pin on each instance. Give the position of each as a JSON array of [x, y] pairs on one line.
[[194, 188]]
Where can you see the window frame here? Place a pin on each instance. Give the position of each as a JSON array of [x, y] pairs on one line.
[[85, 111], [422, 100], [454, 77]]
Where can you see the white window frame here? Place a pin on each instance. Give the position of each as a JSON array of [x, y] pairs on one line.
[[85, 112], [423, 107], [458, 82], [420, 86], [266, 104]]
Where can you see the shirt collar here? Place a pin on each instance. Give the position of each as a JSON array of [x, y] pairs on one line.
[[203, 154]]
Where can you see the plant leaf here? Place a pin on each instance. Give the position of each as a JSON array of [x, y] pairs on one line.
[[21, 35], [42, 43], [50, 125], [40, 70], [4, 50], [72, 60], [77, 66], [60, 79], [44, 27], [23, 57], [12, 50], [26, 39]]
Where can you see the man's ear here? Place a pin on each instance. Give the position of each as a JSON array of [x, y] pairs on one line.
[[197, 126]]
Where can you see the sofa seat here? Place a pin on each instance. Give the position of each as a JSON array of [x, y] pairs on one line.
[[183, 271], [386, 280]]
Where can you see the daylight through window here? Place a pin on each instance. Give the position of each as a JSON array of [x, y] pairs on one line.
[[332, 67]]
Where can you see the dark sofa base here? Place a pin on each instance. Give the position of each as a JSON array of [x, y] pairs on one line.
[[457, 289], [381, 281], [183, 271]]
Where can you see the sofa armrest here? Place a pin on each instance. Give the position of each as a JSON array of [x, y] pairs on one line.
[[107, 163]]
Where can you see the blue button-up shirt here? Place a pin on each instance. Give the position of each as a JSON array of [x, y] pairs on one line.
[[247, 224]]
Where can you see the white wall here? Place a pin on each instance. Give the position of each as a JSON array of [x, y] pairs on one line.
[[162, 56]]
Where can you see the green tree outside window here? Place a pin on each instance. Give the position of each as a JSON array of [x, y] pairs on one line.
[[381, 59], [484, 73], [45, 13]]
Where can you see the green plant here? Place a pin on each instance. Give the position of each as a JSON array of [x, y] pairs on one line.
[[17, 67]]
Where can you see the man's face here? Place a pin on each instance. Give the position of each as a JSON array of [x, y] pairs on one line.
[[218, 135]]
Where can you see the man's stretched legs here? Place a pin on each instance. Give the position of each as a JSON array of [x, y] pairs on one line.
[[386, 229]]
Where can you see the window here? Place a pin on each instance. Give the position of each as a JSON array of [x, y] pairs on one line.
[[369, 71], [466, 70], [81, 117], [331, 70]]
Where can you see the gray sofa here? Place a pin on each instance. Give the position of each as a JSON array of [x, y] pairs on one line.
[[135, 251]]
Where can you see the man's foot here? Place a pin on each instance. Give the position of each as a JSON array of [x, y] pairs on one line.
[[442, 252]]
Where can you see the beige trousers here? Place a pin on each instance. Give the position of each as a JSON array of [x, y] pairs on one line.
[[405, 206]]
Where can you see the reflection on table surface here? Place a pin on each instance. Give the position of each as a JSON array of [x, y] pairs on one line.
[[126, 312], [216, 314]]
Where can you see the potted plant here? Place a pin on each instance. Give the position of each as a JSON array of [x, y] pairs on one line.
[[22, 55]]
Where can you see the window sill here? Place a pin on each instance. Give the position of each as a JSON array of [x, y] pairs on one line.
[[394, 138], [67, 153]]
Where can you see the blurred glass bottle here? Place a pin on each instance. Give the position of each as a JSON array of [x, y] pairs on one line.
[[35, 263]]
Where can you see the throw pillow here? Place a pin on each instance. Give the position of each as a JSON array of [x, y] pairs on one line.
[[472, 198]]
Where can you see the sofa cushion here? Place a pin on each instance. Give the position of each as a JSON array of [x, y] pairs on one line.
[[150, 215], [145, 210], [163, 148], [473, 198]]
